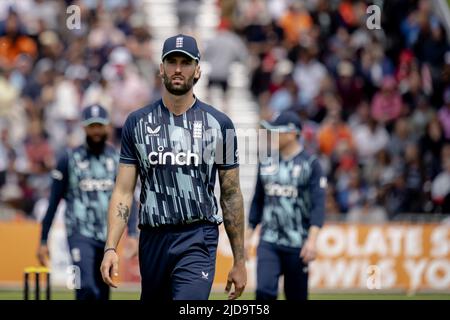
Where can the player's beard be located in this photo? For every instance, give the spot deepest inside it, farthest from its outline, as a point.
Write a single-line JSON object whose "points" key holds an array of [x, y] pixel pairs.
{"points": [[179, 90], [96, 147]]}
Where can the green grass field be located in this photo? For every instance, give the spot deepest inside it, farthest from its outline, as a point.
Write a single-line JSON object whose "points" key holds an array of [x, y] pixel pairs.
{"points": [[10, 294]]}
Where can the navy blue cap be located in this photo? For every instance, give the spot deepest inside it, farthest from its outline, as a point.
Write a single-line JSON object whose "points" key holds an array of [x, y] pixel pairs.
{"points": [[286, 121], [94, 114], [181, 43]]}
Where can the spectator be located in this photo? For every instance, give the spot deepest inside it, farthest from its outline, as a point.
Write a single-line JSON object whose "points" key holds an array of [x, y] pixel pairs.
{"points": [[262, 75], [187, 11], [375, 66], [431, 44], [21, 72], [422, 115], [8, 96], [412, 89], [393, 196], [285, 97], [5, 153], [350, 190], [387, 103], [220, 52], [444, 114], [349, 87], [38, 151], [98, 92], [414, 180], [368, 212], [332, 133], [128, 89], [255, 19], [380, 171], [296, 23], [361, 116], [370, 138], [139, 43], [14, 42], [431, 144], [400, 138], [10, 193], [308, 72], [440, 189], [332, 210]]}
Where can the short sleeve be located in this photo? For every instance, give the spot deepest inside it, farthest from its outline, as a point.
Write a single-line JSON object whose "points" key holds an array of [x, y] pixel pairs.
{"points": [[127, 148], [227, 156], [318, 184]]}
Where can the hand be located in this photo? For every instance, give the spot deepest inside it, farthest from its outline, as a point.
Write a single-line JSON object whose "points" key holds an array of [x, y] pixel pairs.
{"points": [[110, 267], [309, 251], [43, 254], [131, 247], [238, 276]]}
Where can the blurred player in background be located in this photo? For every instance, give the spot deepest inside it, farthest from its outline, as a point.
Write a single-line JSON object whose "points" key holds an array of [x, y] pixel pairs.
{"points": [[177, 145], [84, 177], [289, 205]]}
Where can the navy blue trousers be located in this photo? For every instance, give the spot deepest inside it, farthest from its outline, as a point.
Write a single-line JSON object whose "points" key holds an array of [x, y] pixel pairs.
{"points": [[274, 261], [87, 255], [178, 262]]}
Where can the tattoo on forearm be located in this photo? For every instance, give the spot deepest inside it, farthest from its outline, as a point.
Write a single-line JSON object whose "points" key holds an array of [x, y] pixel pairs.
{"points": [[233, 210], [123, 211]]}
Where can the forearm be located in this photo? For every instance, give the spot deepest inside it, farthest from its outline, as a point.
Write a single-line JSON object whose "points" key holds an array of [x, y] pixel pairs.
{"points": [[132, 221], [118, 215], [233, 217], [56, 195], [313, 232]]}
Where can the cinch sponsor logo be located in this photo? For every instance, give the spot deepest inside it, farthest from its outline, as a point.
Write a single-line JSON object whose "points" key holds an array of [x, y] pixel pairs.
{"points": [[274, 189], [96, 185], [180, 158]]}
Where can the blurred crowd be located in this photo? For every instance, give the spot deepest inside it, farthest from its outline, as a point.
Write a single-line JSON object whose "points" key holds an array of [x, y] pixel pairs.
{"points": [[53, 62], [375, 103]]}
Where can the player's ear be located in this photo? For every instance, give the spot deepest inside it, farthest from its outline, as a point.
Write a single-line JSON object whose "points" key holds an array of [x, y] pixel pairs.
{"points": [[198, 72], [161, 70]]}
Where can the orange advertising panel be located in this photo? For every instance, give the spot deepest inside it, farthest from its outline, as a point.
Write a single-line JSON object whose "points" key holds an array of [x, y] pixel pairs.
{"points": [[409, 257], [18, 244], [392, 256]]}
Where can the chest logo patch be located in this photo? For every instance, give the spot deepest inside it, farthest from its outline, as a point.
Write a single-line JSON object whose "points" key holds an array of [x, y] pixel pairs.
{"points": [[197, 130], [110, 165], [296, 171], [153, 132], [83, 165]]}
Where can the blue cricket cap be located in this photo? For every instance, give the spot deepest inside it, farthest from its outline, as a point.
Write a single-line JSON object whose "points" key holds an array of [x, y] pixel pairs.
{"points": [[181, 43], [94, 114], [286, 121]]}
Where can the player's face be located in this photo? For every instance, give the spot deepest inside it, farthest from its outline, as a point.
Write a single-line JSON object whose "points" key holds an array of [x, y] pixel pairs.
{"points": [[178, 72], [286, 138], [96, 132]]}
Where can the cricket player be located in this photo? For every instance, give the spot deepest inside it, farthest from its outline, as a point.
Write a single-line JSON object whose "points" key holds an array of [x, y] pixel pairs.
{"points": [[177, 145], [84, 177], [288, 203]]}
